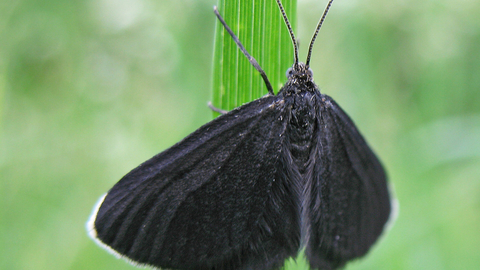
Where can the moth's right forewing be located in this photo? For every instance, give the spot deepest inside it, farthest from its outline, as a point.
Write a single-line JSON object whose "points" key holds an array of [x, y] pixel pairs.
{"points": [[350, 201], [215, 199]]}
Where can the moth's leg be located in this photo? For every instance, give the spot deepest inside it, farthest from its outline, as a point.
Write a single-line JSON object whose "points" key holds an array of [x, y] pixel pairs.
{"points": [[244, 51], [215, 109]]}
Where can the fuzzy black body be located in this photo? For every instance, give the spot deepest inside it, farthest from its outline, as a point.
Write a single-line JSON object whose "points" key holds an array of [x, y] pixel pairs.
{"points": [[251, 188]]}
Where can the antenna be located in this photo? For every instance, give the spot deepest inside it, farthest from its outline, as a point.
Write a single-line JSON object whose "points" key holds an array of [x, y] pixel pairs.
{"points": [[295, 46], [307, 63]]}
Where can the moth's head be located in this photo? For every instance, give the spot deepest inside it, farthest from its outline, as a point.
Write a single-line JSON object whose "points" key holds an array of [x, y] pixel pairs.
{"points": [[299, 72]]}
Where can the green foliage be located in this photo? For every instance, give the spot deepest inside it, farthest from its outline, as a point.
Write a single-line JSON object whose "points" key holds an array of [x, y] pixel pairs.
{"points": [[261, 29]]}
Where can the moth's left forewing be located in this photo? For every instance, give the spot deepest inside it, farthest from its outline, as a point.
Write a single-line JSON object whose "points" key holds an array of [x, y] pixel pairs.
{"points": [[215, 200], [350, 202]]}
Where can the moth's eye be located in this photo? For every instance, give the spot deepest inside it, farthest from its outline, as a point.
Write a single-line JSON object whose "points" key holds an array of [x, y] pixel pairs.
{"points": [[310, 72], [289, 72]]}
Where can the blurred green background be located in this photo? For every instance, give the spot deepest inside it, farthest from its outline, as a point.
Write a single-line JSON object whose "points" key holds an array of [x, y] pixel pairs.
{"points": [[90, 89]]}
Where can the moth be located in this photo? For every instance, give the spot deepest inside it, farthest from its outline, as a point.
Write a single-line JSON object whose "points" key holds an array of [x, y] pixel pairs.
{"points": [[253, 187]]}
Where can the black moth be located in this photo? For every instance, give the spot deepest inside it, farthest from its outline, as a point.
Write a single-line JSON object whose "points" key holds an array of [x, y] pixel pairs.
{"points": [[253, 187]]}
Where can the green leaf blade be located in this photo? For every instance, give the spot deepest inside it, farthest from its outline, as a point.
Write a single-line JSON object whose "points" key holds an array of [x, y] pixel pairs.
{"points": [[260, 27]]}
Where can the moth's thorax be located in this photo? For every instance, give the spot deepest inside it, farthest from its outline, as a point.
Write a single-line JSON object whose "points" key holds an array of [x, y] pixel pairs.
{"points": [[300, 94], [302, 125]]}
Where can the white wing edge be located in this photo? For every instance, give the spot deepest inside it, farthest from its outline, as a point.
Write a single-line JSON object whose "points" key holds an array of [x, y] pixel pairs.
{"points": [[394, 210], [92, 232]]}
